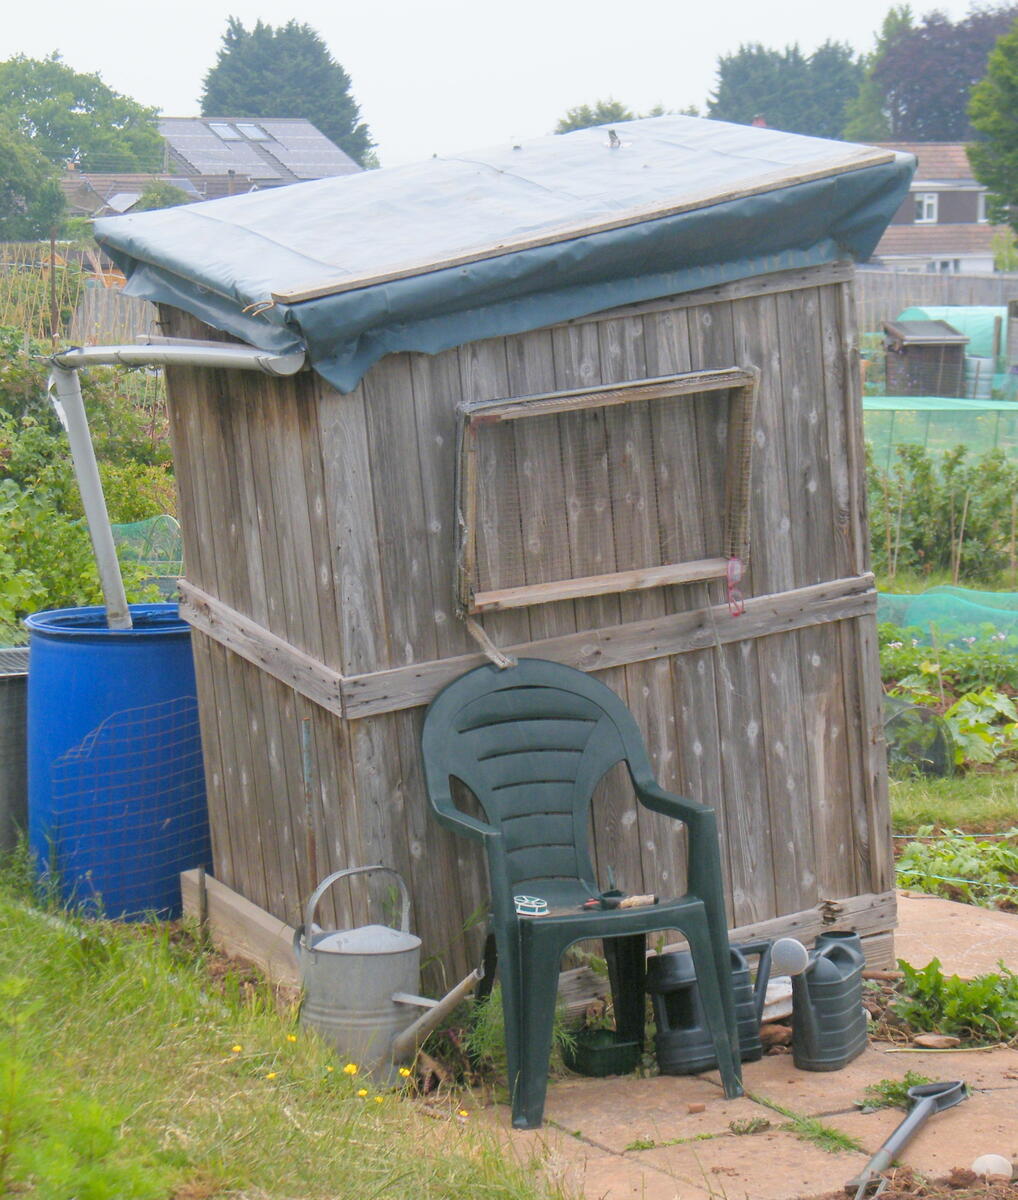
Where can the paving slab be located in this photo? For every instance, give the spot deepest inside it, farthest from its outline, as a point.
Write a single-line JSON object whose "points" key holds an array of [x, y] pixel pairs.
{"points": [[968, 940], [986, 1123], [616, 1113], [814, 1093], [769, 1165]]}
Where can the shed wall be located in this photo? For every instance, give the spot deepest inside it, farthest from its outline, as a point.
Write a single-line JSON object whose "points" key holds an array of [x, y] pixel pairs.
{"points": [[321, 549]]}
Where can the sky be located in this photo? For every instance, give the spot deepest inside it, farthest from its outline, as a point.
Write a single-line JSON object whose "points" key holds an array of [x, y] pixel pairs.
{"points": [[448, 75]]}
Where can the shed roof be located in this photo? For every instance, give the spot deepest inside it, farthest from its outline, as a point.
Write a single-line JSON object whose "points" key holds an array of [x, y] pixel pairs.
{"points": [[431, 255]]}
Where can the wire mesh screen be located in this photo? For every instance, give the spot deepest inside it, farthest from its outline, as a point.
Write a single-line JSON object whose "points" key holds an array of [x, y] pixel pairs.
{"points": [[607, 489], [155, 543], [939, 425], [130, 810]]}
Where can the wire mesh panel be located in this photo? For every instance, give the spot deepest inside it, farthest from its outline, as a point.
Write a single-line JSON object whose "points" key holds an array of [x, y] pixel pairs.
{"points": [[618, 488], [129, 805]]}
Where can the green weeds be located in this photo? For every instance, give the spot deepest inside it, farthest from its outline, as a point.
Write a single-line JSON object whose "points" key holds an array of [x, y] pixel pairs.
{"points": [[980, 1011], [891, 1093], [809, 1129], [963, 866]]}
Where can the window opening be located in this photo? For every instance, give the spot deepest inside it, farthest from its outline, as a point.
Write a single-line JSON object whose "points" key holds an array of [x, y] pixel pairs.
{"points": [[926, 208], [224, 130], [254, 133], [610, 489]]}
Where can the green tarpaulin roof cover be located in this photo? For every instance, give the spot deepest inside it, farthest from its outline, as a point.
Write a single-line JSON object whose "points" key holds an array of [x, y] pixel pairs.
{"points": [[443, 252]]}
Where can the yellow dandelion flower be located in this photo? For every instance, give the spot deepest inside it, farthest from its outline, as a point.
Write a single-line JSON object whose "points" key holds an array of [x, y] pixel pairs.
{"points": [[405, 1072], [350, 1069], [330, 1068], [236, 1049], [462, 1113], [362, 1093], [291, 1037], [378, 1099], [271, 1075]]}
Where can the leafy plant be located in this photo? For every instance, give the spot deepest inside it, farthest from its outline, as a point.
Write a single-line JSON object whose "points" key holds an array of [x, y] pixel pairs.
{"points": [[986, 659], [962, 866], [485, 1041], [980, 1010]]}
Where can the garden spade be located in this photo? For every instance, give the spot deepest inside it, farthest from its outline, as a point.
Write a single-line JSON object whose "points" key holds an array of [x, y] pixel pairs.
{"points": [[927, 1099]]}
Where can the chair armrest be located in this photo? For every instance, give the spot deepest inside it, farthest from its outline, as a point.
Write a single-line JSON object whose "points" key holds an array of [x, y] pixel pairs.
{"points": [[455, 819], [670, 805]]}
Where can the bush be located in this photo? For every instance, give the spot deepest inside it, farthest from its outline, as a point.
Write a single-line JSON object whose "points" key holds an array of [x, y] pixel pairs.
{"points": [[949, 515], [46, 558]]}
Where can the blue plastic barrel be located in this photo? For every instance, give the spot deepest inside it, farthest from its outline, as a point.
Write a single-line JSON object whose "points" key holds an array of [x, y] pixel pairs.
{"points": [[116, 788]]}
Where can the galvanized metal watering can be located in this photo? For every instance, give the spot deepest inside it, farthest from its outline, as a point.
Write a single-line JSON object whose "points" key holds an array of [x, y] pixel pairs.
{"points": [[359, 985]]}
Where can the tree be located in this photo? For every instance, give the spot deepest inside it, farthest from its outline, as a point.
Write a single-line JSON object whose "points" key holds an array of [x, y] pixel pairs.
{"points": [[161, 194], [604, 112], [865, 118], [992, 111], [70, 116], [31, 203], [786, 88], [927, 73], [285, 72]]}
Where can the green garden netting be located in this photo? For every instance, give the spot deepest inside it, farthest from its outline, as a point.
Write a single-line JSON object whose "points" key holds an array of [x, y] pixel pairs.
{"points": [[939, 423], [154, 544], [954, 616]]}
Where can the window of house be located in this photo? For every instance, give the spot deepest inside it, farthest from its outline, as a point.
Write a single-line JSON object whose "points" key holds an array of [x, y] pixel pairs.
{"points": [[225, 130], [925, 208], [611, 489], [254, 133], [982, 216]]}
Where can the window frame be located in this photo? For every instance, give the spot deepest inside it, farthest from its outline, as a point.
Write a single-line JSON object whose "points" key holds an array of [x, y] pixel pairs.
{"points": [[743, 385], [927, 203]]}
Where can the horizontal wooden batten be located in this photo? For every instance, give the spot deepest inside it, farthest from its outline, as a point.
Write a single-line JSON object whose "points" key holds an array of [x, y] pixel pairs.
{"points": [[639, 641], [251, 641], [599, 585], [689, 384], [869, 915]]}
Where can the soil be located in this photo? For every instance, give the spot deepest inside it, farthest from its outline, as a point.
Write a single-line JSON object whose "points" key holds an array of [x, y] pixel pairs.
{"points": [[961, 1184]]}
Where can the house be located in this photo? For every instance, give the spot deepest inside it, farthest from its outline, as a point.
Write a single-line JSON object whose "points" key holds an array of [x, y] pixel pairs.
{"points": [[231, 155], [210, 157], [92, 194], [942, 225]]}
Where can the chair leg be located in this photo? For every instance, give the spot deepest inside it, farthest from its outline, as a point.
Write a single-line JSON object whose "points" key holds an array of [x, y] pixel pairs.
{"points": [[512, 1007], [540, 957], [718, 1006], [627, 969]]}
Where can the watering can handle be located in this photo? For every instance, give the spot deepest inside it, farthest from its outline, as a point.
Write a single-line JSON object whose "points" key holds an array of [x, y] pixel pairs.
{"points": [[329, 880], [762, 951]]}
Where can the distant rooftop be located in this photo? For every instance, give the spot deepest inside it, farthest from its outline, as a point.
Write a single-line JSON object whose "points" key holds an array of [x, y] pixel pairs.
{"points": [[938, 161], [268, 152]]}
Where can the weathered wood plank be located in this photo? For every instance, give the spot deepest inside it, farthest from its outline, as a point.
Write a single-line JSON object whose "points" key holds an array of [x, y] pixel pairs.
{"points": [[632, 390], [251, 641], [352, 533], [601, 585], [241, 929], [739, 289], [595, 650], [531, 366], [399, 511]]}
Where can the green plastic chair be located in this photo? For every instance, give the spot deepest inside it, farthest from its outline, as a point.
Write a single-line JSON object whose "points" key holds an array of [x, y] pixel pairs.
{"points": [[531, 743]]}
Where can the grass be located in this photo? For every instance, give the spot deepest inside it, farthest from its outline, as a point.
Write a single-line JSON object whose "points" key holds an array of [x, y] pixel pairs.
{"points": [[126, 1074], [809, 1129], [979, 802]]}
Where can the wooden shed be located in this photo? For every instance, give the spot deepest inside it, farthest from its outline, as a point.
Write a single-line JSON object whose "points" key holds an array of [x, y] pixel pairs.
{"points": [[591, 398]]}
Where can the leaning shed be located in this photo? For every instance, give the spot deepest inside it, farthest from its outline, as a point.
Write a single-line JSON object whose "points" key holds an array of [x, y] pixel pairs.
{"points": [[591, 398]]}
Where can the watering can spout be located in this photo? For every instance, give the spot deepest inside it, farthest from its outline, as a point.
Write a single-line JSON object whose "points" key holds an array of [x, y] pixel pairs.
{"points": [[405, 1044]]}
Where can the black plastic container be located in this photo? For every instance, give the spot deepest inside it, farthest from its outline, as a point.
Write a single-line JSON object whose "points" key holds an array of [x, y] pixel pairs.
{"points": [[828, 1019], [683, 1042]]}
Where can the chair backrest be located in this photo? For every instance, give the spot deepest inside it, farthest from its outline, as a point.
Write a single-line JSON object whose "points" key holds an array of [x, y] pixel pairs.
{"points": [[532, 742]]}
